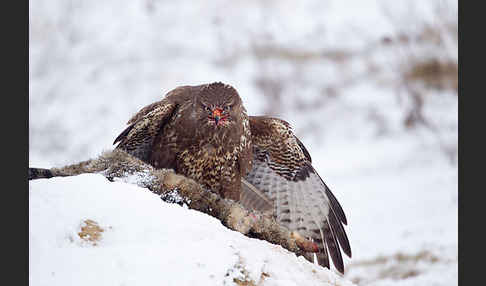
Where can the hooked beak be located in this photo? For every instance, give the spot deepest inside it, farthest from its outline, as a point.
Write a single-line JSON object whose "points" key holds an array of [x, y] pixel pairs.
{"points": [[217, 115]]}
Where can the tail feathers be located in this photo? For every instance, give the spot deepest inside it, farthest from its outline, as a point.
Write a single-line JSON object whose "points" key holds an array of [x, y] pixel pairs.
{"points": [[322, 255], [333, 247], [339, 232]]}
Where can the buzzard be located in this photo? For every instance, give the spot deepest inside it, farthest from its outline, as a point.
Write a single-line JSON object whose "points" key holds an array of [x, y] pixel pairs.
{"points": [[204, 133]]}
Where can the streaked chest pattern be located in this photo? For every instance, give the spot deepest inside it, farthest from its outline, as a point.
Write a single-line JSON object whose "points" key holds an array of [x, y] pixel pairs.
{"points": [[212, 160]]}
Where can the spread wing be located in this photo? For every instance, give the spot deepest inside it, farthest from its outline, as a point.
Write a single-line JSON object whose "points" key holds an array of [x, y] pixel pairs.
{"points": [[138, 138], [282, 170]]}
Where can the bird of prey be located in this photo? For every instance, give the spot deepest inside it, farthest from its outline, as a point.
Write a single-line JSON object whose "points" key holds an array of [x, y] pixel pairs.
{"points": [[204, 133]]}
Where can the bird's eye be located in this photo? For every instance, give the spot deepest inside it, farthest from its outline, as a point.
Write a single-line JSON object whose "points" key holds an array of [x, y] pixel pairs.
{"points": [[207, 108], [227, 107]]}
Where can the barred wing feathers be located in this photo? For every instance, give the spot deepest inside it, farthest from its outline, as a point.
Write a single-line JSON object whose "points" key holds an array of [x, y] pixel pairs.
{"points": [[138, 138], [302, 202]]}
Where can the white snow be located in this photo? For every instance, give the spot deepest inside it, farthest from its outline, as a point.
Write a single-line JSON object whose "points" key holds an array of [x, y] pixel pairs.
{"points": [[146, 241]]}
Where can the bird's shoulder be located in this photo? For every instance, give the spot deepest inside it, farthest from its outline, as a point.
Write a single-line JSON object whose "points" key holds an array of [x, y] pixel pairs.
{"points": [[173, 97], [276, 136], [138, 138], [269, 126]]}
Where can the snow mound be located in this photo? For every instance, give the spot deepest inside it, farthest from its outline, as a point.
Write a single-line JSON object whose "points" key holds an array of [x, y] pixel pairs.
{"points": [[85, 230]]}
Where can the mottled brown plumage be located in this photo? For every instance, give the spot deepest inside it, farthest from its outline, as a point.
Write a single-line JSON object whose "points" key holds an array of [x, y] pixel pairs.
{"points": [[200, 131], [204, 133], [282, 170]]}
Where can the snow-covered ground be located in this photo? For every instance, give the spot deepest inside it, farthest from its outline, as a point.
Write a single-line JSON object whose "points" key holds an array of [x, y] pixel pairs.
{"points": [[318, 64], [146, 241]]}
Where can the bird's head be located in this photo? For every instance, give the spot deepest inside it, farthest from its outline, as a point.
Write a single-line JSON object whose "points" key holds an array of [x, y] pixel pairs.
{"points": [[219, 105]]}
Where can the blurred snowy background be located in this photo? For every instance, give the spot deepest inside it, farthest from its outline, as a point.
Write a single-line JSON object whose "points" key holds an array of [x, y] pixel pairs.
{"points": [[370, 87]]}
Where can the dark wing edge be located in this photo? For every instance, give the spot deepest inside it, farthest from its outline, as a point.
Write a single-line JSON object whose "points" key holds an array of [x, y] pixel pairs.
{"points": [[304, 150], [311, 208], [124, 134], [148, 111], [138, 138], [171, 96]]}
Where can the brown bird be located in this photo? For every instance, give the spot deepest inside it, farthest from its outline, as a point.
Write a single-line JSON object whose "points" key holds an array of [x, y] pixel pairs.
{"points": [[204, 133], [200, 131]]}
